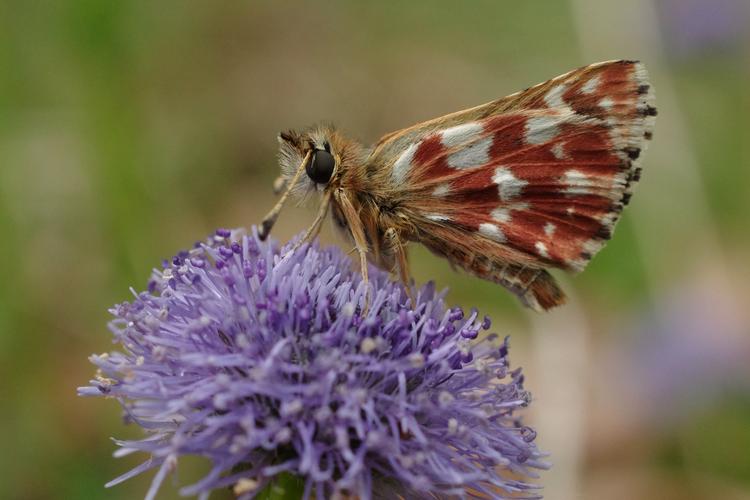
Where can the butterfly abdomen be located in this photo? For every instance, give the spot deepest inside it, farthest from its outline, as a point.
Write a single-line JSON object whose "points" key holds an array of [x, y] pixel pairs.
{"points": [[536, 288]]}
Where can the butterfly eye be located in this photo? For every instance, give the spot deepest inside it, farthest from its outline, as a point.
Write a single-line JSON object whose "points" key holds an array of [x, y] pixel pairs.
{"points": [[320, 168]]}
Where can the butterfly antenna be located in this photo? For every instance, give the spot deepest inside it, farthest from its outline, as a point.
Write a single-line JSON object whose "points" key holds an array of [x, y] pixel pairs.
{"points": [[270, 219]]}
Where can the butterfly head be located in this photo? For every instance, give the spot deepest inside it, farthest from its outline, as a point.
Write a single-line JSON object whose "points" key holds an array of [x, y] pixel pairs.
{"points": [[318, 149], [311, 160]]}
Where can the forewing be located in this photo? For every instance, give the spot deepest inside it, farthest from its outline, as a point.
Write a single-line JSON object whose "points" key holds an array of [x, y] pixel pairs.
{"points": [[539, 177]]}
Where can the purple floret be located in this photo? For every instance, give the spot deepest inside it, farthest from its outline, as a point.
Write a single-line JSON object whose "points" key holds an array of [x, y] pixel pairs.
{"points": [[262, 361]]}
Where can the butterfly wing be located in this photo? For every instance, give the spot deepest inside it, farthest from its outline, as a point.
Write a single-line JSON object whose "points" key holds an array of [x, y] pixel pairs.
{"points": [[533, 180]]}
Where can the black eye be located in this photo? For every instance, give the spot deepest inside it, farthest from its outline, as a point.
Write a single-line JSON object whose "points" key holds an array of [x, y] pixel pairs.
{"points": [[320, 168]]}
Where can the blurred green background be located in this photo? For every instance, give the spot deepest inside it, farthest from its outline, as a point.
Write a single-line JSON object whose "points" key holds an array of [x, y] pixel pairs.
{"points": [[130, 129]]}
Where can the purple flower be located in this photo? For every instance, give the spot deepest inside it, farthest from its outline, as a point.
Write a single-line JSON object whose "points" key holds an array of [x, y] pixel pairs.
{"points": [[260, 359], [702, 27]]}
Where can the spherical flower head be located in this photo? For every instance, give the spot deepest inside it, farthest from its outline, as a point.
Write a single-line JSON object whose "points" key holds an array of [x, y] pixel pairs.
{"points": [[261, 359]]}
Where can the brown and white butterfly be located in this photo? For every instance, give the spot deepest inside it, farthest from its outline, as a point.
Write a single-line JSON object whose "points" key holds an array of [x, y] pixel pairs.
{"points": [[505, 190]]}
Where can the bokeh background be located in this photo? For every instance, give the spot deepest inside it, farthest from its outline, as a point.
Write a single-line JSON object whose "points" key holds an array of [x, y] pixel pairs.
{"points": [[129, 129]]}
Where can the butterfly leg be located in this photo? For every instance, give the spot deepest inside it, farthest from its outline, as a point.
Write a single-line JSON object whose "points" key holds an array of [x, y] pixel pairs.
{"points": [[397, 248], [360, 240], [314, 229], [270, 219], [535, 287]]}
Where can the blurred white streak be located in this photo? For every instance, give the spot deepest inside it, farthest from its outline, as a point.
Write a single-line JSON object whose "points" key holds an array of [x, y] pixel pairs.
{"points": [[674, 226], [561, 367]]}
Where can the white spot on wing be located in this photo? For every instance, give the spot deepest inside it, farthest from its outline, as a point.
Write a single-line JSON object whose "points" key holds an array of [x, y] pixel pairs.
{"points": [[553, 97], [442, 190], [541, 129], [437, 217], [508, 185], [501, 215], [558, 150], [541, 249], [403, 164], [549, 229], [606, 103], [591, 85], [577, 183], [461, 134], [492, 232], [475, 155]]}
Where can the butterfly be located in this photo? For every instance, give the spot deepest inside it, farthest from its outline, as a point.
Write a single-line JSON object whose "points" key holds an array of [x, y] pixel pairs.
{"points": [[505, 191]]}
